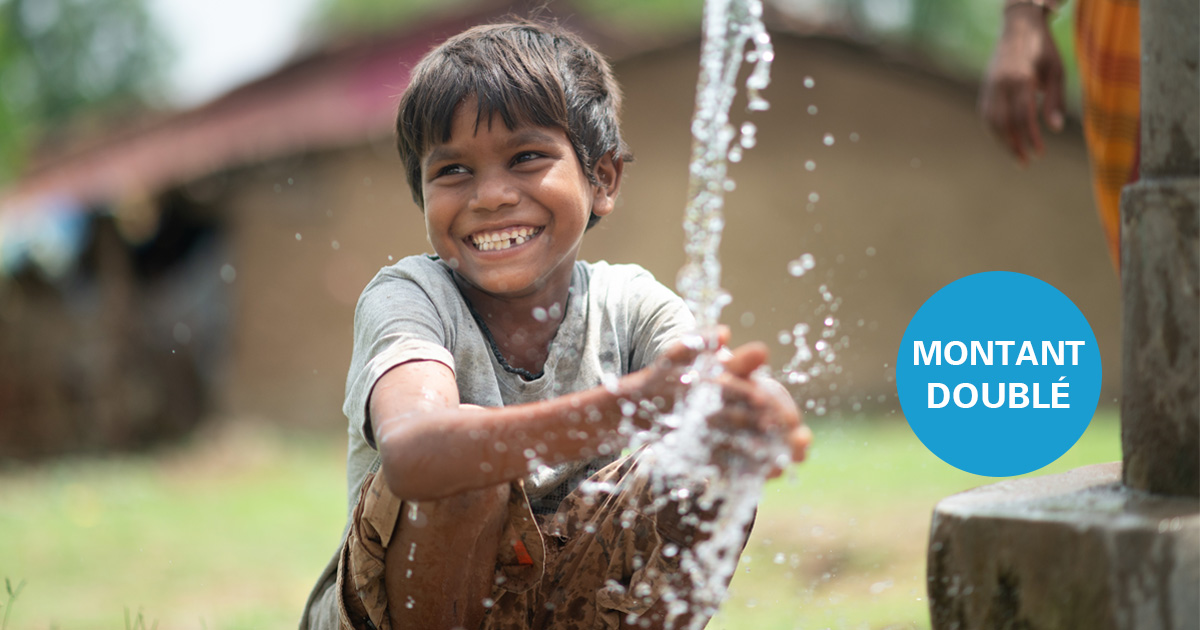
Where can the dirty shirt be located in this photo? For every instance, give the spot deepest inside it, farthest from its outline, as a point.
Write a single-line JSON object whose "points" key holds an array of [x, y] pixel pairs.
{"points": [[618, 320]]}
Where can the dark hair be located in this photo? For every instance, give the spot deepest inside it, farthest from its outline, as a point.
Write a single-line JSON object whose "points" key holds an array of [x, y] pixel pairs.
{"points": [[528, 73]]}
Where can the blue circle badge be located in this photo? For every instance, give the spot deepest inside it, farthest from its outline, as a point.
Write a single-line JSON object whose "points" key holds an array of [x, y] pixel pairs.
{"points": [[998, 374]]}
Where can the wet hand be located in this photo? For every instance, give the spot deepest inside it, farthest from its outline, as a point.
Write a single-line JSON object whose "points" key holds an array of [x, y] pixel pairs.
{"points": [[657, 388], [1025, 64], [758, 404]]}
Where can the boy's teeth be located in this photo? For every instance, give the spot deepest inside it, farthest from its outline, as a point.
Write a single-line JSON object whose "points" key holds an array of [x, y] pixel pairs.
{"points": [[503, 239]]}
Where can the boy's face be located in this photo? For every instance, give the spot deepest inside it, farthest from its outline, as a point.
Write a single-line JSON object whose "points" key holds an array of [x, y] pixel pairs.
{"points": [[507, 208]]}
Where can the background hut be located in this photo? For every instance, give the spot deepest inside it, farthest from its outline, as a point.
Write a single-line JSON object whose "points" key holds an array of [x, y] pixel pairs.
{"points": [[209, 261]]}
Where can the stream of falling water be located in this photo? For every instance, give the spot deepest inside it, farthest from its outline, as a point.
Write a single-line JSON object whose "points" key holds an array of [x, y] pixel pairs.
{"points": [[694, 467]]}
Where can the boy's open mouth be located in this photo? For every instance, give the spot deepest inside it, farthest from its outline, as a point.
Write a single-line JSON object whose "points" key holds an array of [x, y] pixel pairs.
{"points": [[502, 239]]}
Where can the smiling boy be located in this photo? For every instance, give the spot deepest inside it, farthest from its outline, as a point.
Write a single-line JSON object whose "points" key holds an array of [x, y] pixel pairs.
{"points": [[475, 398]]}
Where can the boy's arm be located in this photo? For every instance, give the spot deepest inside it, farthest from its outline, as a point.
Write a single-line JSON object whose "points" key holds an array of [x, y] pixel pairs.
{"points": [[432, 447]]}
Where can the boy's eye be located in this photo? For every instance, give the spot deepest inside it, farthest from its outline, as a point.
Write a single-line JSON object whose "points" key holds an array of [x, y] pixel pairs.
{"points": [[526, 156], [450, 169]]}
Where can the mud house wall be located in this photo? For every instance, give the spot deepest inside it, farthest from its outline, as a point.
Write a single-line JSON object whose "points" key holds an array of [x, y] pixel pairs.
{"points": [[292, 345], [923, 189]]}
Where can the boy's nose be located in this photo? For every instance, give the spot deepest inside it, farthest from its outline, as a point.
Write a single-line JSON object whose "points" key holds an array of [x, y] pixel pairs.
{"points": [[493, 192]]}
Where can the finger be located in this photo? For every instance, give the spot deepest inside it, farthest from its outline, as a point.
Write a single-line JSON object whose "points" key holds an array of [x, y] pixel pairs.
{"points": [[989, 107], [682, 352], [799, 440], [1030, 128], [723, 335], [747, 405], [734, 416], [1005, 128], [1052, 101], [1018, 107], [746, 359]]}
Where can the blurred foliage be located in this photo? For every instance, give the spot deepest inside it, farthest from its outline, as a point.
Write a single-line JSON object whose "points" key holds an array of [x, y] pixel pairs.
{"points": [[60, 59], [956, 36], [953, 35], [369, 15]]}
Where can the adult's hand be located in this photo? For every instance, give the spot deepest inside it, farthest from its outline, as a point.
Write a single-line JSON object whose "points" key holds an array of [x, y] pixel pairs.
{"points": [[1025, 64]]}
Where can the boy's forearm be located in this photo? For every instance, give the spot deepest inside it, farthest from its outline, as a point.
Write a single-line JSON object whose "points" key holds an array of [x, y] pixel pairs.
{"points": [[439, 453]]}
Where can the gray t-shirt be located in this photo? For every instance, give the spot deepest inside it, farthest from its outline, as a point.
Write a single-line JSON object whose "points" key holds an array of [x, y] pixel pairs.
{"points": [[618, 320]]}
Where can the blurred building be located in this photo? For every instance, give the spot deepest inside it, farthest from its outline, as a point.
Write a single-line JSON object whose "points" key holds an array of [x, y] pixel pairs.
{"points": [[209, 261]]}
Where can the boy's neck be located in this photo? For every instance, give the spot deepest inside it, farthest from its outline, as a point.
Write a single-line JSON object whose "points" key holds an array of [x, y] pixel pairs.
{"points": [[521, 327]]}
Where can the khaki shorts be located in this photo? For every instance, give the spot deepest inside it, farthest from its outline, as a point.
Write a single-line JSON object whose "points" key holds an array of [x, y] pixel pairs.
{"points": [[598, 559]]}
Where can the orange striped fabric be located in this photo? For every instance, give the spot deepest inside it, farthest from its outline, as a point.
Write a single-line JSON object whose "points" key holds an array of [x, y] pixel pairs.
{"points": [[1108, 48]]}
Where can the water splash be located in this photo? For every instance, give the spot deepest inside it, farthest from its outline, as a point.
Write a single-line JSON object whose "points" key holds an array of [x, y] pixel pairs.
{"points": [[728, 26], [694, 467]]}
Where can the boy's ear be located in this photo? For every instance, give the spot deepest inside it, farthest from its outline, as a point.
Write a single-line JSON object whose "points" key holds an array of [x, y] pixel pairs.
{"points": [[608, 171]]}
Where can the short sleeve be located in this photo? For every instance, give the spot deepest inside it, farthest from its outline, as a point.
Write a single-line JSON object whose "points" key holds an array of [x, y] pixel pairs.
{"points": [[395, 322], [657, 318]]}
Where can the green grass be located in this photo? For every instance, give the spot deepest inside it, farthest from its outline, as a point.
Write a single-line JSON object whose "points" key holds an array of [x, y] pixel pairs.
{"points": [[228, 533], [840, 541], [231, 530]]}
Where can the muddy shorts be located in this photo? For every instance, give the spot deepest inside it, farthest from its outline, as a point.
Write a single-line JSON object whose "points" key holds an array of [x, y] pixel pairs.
{"points": [[602, 556]]}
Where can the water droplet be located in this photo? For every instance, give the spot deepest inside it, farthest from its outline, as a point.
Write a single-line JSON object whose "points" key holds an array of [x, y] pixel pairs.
{"points": [[747, 319], [784, 338], [670, 550], [813, 197], [796, 268], [298, 237], [336, 245], [828, 140], [735, 154], [870, 251], [812, 110], [829, 321], [540, 314], [228, 273], [810, 165], [853, 137], [780, 558], [808, 82]]}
